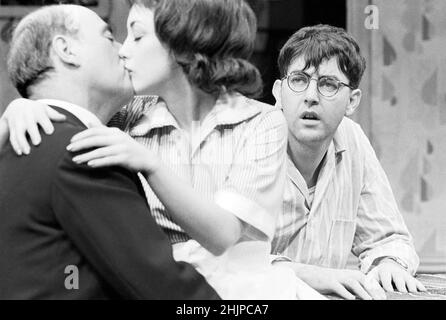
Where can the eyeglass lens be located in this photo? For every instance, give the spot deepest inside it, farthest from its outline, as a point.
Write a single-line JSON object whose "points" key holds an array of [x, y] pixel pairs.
{"points": [[299, 82]]}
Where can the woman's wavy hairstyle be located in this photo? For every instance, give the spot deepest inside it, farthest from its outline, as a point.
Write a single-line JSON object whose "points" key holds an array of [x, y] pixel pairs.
{"points": [[211, 40]]}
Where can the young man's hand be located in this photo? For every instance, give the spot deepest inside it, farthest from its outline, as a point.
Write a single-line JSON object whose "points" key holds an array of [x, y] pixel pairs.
{"points": [[348, 284], [389, 271]]}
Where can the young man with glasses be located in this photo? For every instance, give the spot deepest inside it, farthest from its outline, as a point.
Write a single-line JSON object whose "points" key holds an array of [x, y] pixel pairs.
{"points": [[337, 198]]}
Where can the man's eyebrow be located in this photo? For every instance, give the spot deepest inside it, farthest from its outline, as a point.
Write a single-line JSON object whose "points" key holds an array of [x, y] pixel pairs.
{"points": [[295, 70], [329, 76], [299, 70], [317, 72]]}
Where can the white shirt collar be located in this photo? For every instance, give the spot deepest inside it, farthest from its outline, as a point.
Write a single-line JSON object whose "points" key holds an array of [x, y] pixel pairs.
{"points": [[88, 118]]}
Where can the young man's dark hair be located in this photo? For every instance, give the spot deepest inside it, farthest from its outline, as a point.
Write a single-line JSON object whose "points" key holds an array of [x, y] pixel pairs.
{"points": [[323, 42]]}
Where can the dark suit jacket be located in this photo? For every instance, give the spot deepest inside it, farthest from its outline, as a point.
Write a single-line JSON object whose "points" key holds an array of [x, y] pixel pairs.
{"points": [[54, 214]]}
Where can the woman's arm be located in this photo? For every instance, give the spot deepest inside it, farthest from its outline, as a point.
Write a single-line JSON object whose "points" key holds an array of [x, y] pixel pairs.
{"points": [[213, 227]]}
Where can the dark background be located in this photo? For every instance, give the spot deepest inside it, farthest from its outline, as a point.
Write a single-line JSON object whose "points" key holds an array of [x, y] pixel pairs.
{"points": [[285, 17], [46, 2]]}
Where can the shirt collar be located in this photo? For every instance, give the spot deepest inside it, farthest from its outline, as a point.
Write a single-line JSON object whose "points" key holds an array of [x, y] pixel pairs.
{"points": [[338, 145], [228, 110], [339, 140], [88, 118], [296, 177], [147, 114]]}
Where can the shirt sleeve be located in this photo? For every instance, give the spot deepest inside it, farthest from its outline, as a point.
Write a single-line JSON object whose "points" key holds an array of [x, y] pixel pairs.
{"points": [[105, 215], [380, 230], [254, 186]]}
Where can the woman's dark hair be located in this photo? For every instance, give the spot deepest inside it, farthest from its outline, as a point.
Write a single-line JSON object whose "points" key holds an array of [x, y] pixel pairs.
{"points": [[211, 40], [323, 42]]}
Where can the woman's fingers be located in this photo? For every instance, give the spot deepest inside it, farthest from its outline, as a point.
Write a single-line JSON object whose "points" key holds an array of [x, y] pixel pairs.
{"points": [[96, 131], [24, 118], [33, 131], [91, 142], [94, 124], [46, 125], [14, 143], [98, 154], [18, 134], [107, 161], [54, 115]]}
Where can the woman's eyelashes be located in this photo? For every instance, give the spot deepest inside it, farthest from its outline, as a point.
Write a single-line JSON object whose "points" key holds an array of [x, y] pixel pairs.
{"points": [[109, 36], [137, 33]]}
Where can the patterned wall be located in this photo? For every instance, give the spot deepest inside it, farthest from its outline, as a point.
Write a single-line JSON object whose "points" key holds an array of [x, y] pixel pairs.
{"points": [[404, 111]]}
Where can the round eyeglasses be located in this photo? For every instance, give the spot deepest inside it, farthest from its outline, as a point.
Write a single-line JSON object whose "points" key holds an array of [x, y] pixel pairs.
{"points": [[327, 86]]}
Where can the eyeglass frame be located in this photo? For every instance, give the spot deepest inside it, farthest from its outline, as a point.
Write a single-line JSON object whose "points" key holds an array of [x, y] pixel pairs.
{"points": [[339, 83]]}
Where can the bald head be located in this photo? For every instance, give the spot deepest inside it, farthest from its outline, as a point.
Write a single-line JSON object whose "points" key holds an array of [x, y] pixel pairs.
{"points": [[29, 59]]}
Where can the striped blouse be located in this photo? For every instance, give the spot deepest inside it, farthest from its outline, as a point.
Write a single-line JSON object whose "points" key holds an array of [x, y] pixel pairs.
{"points": [[236, 157], [353, 210]]}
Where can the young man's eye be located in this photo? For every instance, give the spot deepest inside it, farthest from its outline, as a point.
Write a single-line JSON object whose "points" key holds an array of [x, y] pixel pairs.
{"points": [[298, 79], [328, 84]]}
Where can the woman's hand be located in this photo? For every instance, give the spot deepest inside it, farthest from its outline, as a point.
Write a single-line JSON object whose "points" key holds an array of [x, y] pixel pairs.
{"points": [[113, 147], [23, 117]]}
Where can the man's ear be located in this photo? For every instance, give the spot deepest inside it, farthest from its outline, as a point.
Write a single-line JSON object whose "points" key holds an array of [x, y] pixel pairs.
{"points": [[355, 100], [66, 50], [277, 92]]}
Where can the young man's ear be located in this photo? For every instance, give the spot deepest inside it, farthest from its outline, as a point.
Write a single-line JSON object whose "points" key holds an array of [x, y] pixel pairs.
{"points": [[66, 50], [277, 93], [353, 104]]}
